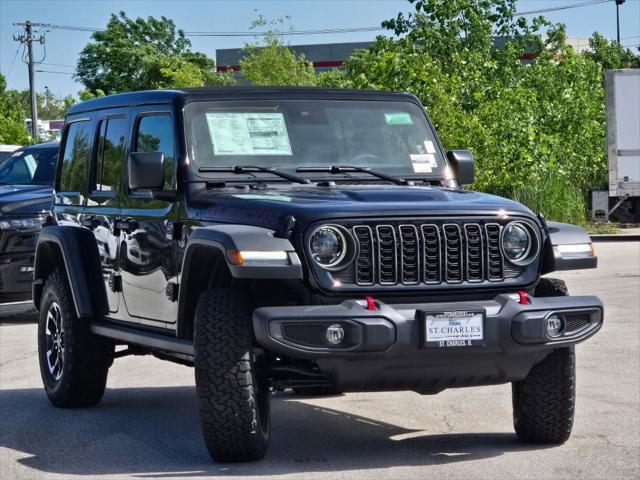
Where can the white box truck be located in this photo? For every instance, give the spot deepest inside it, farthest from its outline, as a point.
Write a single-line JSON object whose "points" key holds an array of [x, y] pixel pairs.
{"points": [[623, 147]]}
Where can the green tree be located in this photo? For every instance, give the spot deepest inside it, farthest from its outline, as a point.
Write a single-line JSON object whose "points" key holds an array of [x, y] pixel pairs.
{"points": [[12, 117], [143, 54], [272, 62], [537, 130], [51, 107], [610, 54]]}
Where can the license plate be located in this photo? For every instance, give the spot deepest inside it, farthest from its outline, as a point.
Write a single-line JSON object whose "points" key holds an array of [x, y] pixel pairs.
{"points": [[454, 329]]}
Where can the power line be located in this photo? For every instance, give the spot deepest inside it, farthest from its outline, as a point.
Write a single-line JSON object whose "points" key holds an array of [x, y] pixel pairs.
{"points": [[237, 33], [290, 32], [14, 59], [562, 7], [57, 65], [54, 71], [326, 31]]}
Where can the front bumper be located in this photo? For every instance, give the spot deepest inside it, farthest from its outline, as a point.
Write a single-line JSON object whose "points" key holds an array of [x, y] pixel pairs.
{"points": [[384, 348], [16, 276]]}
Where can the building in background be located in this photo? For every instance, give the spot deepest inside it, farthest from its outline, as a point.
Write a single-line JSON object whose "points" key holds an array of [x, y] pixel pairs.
{"points": [[327, 56]]}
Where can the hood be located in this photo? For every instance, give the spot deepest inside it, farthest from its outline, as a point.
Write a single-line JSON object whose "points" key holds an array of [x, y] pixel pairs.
{"points": [[311, 203], [25, 200]]}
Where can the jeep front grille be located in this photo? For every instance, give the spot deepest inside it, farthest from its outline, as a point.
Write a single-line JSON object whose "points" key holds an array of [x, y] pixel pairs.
{"points": [[429, 253]]}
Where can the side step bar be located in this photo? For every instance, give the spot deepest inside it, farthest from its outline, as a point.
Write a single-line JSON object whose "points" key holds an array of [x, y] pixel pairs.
{"points": [[142, 338]]}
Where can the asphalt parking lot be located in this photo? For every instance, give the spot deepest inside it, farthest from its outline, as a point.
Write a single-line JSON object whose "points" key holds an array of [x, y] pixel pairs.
{"points": [[147, 424]]}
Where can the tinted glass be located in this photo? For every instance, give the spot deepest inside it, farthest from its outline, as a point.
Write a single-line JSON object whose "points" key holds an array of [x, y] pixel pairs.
{"points": [[392, 137], [30, 167], [75, 157], [155, 134], [111, 148]]}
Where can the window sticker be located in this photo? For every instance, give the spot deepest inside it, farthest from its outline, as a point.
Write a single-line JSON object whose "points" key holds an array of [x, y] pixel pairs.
{"points": [[31, 164], [428, 144], [398, 118], [248, 133], [423, 163], [419, 167]]}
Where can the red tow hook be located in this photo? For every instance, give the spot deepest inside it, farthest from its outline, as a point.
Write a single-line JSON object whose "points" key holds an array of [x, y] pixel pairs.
{"points": [[524, 300], [371, 303]]}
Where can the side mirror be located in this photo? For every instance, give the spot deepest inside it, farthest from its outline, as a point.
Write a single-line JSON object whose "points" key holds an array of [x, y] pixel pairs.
{"points": [[146, 171], [462, 164]]}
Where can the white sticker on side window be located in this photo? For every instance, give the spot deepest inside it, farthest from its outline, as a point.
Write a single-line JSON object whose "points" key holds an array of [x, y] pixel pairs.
{"points": [[248, 133]]}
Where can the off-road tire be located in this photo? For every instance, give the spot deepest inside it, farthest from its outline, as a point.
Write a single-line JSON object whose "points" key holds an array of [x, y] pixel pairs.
{"points": [[544, 402], [551, 287], [86, 357], [234, 404]]}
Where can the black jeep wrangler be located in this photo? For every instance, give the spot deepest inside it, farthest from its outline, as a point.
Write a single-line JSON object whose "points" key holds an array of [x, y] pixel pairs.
{"points": [[310, 239]]}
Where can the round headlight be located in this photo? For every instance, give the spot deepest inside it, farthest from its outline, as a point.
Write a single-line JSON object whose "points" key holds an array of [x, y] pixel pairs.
{"points": [[518, 243], [328, 246]]}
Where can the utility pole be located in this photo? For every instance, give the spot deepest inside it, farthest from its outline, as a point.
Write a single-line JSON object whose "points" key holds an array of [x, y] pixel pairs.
{"points": [[28, 39], [618, 3]]}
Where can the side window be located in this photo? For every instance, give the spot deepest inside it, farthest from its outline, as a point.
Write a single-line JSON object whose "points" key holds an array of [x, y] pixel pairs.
{"points": [[155, 134], [111, 148], [75, 157]]}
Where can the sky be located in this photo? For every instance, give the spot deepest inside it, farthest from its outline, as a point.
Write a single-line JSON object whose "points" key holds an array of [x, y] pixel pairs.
{"points": [[63, 46]]}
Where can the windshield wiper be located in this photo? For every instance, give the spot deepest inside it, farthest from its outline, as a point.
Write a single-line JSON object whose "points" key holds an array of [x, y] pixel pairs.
{"points": [[240, 169], [346, 169]]}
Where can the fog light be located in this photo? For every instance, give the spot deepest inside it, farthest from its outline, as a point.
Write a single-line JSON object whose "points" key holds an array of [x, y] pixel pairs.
{"points": [[554, 326], [335, 334]]}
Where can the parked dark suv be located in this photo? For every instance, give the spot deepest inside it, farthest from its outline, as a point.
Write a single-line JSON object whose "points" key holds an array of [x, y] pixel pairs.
{"points": [[298, 238], [26, 180]]}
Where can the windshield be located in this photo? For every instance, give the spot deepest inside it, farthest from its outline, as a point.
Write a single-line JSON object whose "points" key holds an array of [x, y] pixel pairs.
{"points": [[35, 166], [390, 137]]}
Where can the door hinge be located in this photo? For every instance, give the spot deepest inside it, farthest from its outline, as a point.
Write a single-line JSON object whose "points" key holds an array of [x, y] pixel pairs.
{"points": [[172, 291]]}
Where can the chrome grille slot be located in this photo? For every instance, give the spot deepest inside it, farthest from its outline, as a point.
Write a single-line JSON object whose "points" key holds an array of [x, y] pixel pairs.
{"points": [[432, 255], [495, 265], [452, 252], [409, 254], [474, 261], [365, 263], [387, 255]]}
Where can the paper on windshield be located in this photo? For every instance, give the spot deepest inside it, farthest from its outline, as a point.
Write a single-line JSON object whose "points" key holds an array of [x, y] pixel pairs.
{"points": [[248, 133], [423, 163]]}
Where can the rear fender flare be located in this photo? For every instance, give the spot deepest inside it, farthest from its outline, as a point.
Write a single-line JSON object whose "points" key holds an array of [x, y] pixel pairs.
{"points": [[74, 248]]}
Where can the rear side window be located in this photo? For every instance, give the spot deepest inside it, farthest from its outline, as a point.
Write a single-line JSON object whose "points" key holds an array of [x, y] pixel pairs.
{"points": [[75, 157], [111, 149], [155, 134]]}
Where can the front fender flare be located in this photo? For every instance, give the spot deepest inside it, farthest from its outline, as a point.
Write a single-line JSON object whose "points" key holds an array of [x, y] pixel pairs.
{"points": [[247, 238], [567, 248], [206, 255]]}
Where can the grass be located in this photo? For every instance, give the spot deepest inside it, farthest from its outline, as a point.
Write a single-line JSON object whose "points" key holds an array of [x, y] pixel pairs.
{"points": [[601, 228], [555, 197]]}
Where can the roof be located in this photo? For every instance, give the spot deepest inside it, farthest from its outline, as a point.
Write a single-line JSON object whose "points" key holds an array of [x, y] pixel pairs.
{"points": [[186, 95], [9, 148], [41, 145]]}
